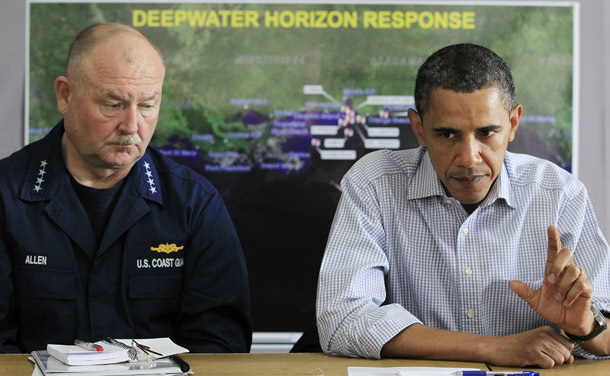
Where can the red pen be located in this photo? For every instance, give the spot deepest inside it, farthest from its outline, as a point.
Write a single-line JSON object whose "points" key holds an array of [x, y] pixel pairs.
{"points": [[88, 345]]}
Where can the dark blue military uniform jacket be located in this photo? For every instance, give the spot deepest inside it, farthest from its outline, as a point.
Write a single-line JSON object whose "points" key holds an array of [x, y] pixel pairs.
{"points": [[168, 265]]}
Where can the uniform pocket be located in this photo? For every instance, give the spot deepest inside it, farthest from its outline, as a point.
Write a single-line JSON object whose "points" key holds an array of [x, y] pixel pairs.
{"points": [[154, 257], [49, 274], [45, 284], [155, 286], [154, 289], [155, 268], [46, 305]]}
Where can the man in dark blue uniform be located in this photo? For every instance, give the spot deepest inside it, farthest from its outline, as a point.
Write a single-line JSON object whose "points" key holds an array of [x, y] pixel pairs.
{"points": [[101, 235]]}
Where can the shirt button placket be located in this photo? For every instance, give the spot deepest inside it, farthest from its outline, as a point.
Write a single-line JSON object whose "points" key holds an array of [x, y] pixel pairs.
{"points": [[469, 281]]}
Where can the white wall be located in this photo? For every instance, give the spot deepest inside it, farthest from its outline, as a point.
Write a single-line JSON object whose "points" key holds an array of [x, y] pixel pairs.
{"points": [[12, 73], [594, 161]]}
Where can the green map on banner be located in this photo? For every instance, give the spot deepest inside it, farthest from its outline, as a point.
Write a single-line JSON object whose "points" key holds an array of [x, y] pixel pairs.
{"points": [[274, 102]]}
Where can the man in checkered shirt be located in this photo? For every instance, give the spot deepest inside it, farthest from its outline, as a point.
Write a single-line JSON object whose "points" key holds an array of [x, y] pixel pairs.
{"points": [[459, 249]]}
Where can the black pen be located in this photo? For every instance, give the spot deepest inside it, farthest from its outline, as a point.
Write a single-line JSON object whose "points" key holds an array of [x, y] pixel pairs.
{"points": [[145, 348], [184, 366], [131, 352]]}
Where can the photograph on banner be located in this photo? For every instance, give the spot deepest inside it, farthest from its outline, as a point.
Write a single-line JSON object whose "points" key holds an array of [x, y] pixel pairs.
{"points": [[274, 102]]}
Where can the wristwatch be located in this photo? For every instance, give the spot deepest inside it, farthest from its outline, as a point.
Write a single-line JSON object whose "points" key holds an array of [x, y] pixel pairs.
{"points": [[600, 325]]}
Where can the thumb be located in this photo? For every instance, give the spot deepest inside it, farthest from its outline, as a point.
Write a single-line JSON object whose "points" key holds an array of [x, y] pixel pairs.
{"points": [[522, 290]]}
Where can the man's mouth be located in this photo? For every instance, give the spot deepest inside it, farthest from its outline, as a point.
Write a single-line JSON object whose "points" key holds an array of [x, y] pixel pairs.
{"points": [[468, 180]]}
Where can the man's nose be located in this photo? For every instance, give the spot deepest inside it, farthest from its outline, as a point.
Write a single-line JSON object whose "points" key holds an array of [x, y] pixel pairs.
{"points": [[469, 153], [129, 124]]}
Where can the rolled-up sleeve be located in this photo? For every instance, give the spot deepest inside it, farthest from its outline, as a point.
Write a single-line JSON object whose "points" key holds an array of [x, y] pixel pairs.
{"points": [[351, 318]]}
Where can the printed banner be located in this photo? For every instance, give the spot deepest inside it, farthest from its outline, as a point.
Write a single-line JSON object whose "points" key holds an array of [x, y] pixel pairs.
{"points": [[273, 102]]}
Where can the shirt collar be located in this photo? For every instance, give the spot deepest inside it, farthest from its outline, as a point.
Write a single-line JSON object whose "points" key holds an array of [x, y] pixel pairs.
{"points": [[499, 190], [47, 171], [425, 183]]}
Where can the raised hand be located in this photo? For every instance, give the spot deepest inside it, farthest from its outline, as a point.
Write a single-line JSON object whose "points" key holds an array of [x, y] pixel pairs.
{"points": [[565, 295]]}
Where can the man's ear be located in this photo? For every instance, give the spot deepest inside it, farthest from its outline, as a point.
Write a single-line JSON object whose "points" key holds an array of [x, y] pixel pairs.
{"points": [[416, 125], [63, 92], [515, 117]]}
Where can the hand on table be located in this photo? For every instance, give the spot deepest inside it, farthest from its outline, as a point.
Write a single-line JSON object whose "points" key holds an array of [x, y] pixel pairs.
{"points": [[542, 347]]}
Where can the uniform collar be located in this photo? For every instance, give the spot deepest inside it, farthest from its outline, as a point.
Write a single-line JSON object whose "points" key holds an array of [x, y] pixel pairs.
{"points": [[47, 171], [145, 176], [425, 183]]}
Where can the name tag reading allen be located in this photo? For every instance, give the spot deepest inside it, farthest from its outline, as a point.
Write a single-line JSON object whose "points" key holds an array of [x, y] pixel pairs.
{"points": [[35, 260]]}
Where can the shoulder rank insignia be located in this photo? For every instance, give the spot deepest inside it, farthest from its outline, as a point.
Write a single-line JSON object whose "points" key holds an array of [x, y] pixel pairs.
{"points": [[150, 181], [40, 176]]}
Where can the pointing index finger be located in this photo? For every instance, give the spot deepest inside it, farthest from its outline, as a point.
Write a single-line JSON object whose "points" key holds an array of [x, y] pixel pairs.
{"points": [[554, 247]]}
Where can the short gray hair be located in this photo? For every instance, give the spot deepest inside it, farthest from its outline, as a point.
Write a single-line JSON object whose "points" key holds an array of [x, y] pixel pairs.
{"points": [[90, 36]]}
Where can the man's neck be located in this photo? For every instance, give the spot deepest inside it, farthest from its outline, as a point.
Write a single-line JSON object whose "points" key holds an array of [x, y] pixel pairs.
{"points": [[470, 208], [100, 178]]}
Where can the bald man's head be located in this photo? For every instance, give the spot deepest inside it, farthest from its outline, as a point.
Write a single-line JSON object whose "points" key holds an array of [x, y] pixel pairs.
{"points": [[110, 100], [91, 36]]}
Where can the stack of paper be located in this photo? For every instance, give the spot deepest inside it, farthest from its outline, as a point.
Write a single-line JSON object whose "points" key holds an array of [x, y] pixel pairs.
{"points": [[66, 360], [49, 366], [74, 355]]}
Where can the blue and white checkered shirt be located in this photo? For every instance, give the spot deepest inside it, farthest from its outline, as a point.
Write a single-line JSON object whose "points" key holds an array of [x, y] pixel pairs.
{"points": [[402, 252]]}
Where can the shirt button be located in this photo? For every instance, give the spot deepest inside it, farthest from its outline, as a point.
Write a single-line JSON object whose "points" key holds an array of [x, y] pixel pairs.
{"points": [[468, 271], [448, 201], [471, 313], [465, 230]]}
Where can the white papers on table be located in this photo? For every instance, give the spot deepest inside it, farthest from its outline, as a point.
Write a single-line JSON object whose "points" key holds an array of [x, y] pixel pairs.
{"points": [[48, 366], [163, 346], [112, 361], [74, 355]]}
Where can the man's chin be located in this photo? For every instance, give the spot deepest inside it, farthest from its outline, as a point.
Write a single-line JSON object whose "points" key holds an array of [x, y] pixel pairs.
{"points": [[120, 163], [468, 193], [470, 199]]}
